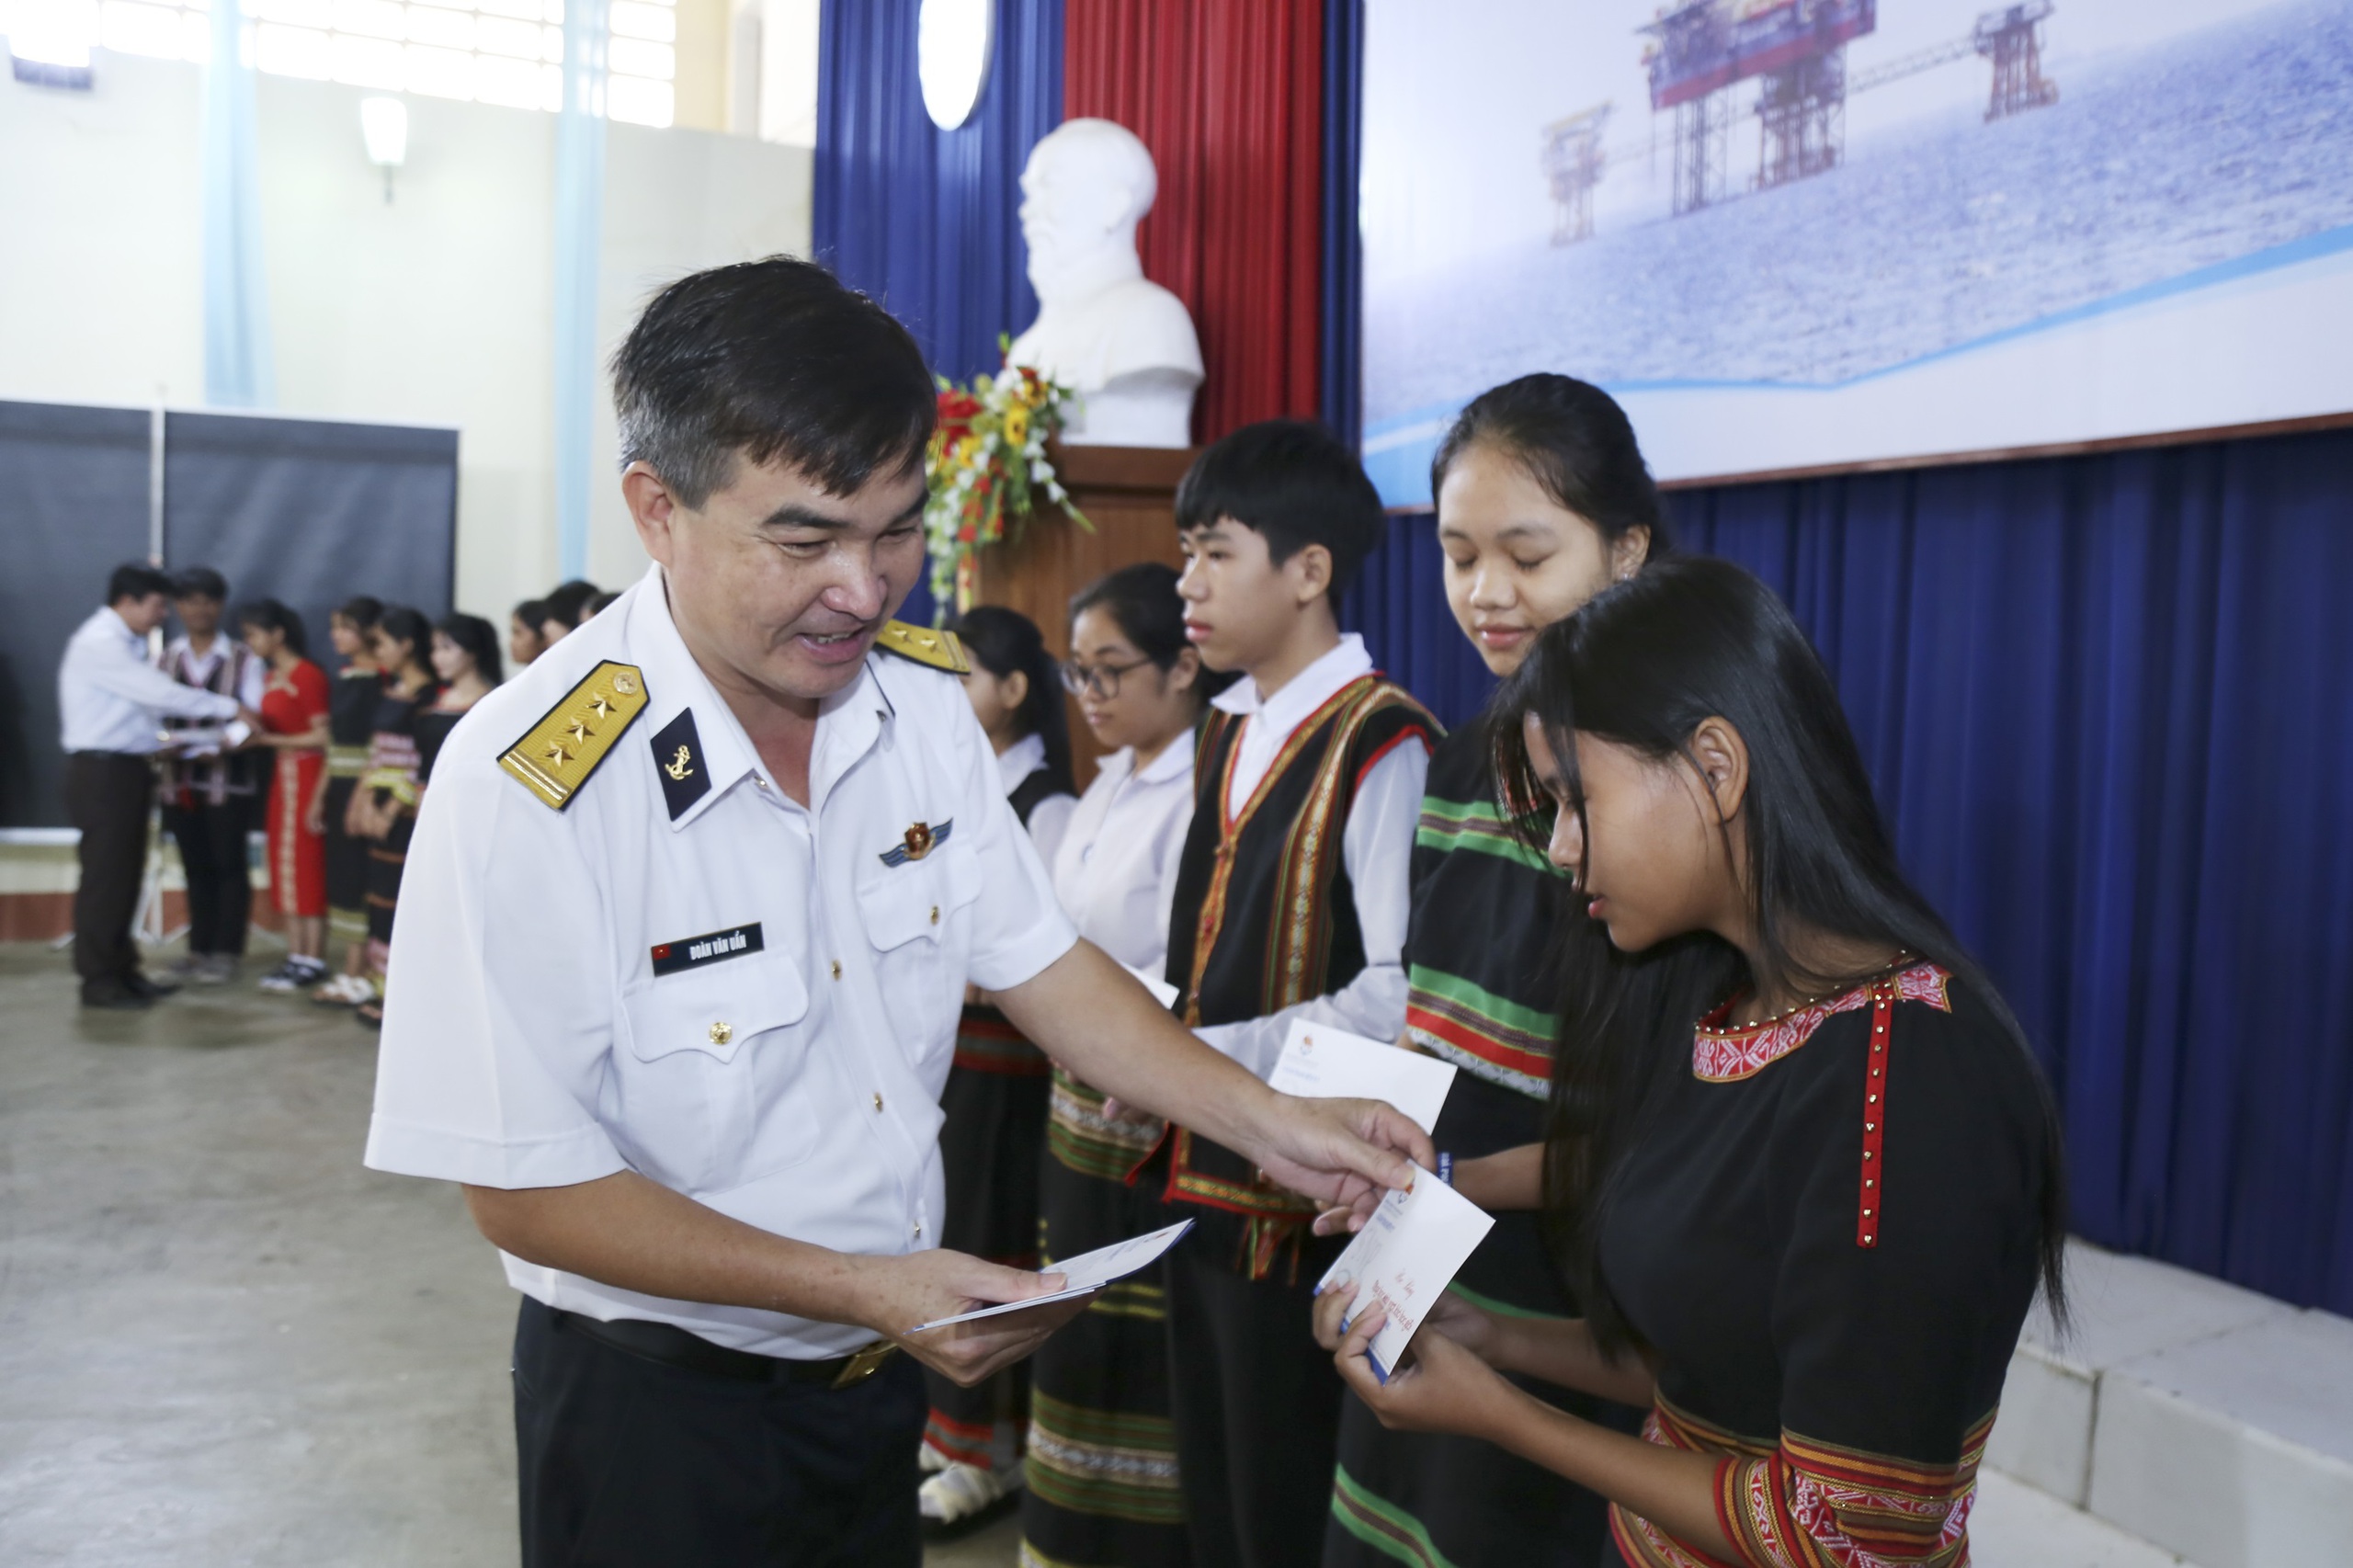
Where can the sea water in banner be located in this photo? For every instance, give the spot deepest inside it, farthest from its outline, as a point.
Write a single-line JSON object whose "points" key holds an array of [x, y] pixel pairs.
{"points": [[1789, 232]]}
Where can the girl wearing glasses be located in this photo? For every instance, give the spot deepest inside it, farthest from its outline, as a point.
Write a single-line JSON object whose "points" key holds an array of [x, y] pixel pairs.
{"points": [[994, 1102], [1102, 1464]]}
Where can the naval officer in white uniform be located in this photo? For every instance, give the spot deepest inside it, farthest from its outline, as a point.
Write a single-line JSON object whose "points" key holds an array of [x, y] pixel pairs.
{"points": [[683, 936]]}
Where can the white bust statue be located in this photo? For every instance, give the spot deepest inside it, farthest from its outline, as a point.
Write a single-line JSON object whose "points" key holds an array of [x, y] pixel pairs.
{"points": [[1125, 344]]}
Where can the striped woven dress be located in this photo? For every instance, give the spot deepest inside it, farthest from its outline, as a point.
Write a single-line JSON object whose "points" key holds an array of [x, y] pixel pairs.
{"points": [[1477, 948], [1101, 1472]]}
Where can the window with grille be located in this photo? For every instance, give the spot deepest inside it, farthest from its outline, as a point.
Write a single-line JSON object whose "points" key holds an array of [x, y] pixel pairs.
{"points": [[492, 51]]}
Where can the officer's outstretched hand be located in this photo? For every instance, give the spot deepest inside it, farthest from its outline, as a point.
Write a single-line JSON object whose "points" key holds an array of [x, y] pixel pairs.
{"points": [[923, 1287], [1344, 1154]]}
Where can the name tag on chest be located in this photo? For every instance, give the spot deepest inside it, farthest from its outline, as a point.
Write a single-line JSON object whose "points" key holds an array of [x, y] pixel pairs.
{"points": [[697, 952]]}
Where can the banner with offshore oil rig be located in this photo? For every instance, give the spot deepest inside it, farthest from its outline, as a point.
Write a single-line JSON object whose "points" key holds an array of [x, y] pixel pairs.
{"points": [[1796, 233]]}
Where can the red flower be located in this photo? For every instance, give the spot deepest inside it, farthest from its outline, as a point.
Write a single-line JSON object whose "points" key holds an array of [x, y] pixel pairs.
{"points": [[956, 412]]}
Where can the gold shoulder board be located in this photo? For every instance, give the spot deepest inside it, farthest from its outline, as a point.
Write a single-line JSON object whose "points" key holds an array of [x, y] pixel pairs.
{"points": [[556, 756], [940, 649]]}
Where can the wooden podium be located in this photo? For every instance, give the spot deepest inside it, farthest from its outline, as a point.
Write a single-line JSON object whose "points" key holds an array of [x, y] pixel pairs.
{"points": [[1130, 495]]}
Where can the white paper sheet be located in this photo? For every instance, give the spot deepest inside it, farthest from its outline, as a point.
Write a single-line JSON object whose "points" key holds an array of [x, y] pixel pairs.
{"points": [[1321, 1062], [1404, 1259], [1082, 1274]]}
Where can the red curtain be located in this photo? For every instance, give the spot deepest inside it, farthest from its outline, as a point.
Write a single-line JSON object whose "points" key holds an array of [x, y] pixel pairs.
{"points": [[1228, 96]]}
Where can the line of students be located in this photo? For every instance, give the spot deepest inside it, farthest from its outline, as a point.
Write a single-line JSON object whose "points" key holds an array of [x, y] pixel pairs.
{"points": [[1808, 1384], [404, 684]]}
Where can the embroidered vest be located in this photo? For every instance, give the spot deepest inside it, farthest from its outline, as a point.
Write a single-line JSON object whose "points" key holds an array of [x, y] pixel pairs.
{"points": [[1264, 916]]}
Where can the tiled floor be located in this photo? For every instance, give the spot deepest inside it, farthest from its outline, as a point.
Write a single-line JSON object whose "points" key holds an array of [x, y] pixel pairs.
{"points": [[221, 1341]]}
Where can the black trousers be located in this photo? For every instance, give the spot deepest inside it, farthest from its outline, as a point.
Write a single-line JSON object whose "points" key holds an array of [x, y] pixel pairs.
{"points": [[220, 882], [1257, 1403], [627, 1463], [108, 794]]}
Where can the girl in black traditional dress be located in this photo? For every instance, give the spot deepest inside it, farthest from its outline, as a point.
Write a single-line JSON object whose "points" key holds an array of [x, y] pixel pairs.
{"points": [[994, 1102], [351, 718], [383, 808], [1807, 1171], [1543, 500]]}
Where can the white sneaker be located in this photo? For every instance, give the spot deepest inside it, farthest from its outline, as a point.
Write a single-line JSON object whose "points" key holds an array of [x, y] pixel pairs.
{"points": [[344, 991], [930, 1461], [963, 1490], [217, 969]]}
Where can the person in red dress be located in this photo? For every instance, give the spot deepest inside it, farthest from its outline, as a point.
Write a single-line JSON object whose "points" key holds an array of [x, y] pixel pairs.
{"points": [[294, 713]]}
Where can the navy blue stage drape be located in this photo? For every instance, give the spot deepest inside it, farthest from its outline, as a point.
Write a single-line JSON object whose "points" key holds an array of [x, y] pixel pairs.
{"points": [[922, 219], [2108, 704]]}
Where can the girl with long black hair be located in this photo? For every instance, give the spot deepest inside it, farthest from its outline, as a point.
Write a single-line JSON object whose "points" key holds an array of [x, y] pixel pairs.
{"points": [[351, 718], [1543, 500], [995, 1103], [1804, 1167], [384, 808]]}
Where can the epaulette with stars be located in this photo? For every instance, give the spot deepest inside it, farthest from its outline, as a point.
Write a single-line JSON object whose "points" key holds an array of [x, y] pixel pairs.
{"points": [[940, 649], [556, 756]]}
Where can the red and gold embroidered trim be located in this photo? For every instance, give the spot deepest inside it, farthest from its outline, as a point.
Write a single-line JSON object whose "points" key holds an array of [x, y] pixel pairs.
{"points": [[1805, 1503], [1724, 1056], [1868, 1200]]}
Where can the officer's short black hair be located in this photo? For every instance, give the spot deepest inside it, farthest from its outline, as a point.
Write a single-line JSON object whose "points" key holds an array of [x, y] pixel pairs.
{"points": [[134, 580], [770, 359], [1293, 482], [200, 583]]}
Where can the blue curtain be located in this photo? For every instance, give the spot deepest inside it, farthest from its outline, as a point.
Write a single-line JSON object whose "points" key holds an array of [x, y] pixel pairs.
{"points": [[579, 239], [239, 371], [2108, 704], [922, 219]]}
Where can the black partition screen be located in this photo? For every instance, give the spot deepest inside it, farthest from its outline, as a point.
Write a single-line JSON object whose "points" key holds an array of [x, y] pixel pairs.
{"points": [[306, 511], [312, 513], [73, 506]]}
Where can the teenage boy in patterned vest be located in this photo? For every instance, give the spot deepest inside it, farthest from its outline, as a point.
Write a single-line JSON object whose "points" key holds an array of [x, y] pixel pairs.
{"points": [[1290, 902]]}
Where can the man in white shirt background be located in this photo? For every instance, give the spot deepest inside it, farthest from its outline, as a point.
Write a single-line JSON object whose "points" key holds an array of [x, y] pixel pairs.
{"points": [[112, 704], [207, 793]]}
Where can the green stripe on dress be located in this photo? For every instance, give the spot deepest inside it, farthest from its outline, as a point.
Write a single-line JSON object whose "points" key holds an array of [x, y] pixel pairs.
{"points": [[1383, 1525], [1102, 1462], [1498, 1017], [1448, 825]]}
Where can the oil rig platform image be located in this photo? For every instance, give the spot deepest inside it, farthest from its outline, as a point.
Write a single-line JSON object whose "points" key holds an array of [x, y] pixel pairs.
{"points": [[1699, 52]]}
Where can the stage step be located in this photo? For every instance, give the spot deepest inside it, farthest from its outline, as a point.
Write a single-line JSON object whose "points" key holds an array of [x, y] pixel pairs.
{"points": [[2209, 1420]]}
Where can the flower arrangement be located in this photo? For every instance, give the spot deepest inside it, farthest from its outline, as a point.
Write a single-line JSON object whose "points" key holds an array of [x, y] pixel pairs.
{"points": [[986, 465]]}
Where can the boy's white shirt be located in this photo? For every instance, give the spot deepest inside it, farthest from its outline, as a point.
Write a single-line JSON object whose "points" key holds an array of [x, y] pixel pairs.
{"points": [[1377, 847]]}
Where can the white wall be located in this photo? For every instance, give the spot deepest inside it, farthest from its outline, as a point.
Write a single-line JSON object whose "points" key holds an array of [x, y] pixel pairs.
{"points": [[432, 310]]}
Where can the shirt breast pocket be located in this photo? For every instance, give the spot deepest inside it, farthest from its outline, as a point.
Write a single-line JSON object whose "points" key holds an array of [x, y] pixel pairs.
{"points": [[714, 1082], [920, 947]]}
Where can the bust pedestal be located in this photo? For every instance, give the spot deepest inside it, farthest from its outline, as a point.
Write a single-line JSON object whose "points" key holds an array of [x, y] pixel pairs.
{"points": [[1130, 495]]}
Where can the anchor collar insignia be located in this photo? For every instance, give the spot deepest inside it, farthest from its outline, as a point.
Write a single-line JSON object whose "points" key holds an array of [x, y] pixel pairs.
{"points": [[679, 763]]}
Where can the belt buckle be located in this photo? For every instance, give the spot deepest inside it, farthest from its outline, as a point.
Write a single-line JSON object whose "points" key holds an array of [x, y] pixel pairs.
{"points": [[864, 1364]]}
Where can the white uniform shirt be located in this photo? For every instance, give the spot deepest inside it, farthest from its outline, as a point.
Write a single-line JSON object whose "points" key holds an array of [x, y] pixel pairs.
{"points": [[1376, 848], [110, 698], [793, 1082], [1117, 871], [1050, 818]]}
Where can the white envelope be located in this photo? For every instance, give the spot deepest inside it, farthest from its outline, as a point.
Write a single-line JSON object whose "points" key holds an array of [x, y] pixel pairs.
{"points": [[1084, 1275], [1405, 1258], [1322, 1063]]}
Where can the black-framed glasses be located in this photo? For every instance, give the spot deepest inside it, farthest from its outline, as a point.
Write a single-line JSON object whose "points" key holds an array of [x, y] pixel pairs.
{"points": [[1103, 680]]}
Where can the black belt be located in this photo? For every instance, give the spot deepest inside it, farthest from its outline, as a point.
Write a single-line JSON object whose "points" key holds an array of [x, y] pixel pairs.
{"points": [[673, 1347]]}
